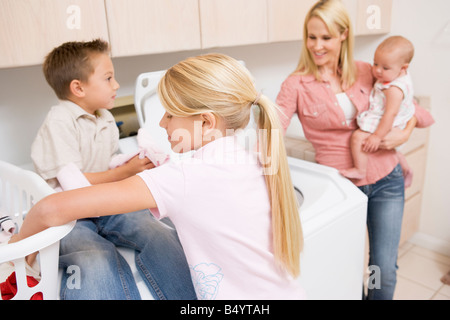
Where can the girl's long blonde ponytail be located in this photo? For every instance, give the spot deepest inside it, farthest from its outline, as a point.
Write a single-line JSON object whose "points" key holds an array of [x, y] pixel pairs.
{"points": [[286, 226]]}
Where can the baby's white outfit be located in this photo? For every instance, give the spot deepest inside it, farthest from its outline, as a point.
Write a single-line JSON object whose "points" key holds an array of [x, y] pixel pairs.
{"points": [[368, 121]]}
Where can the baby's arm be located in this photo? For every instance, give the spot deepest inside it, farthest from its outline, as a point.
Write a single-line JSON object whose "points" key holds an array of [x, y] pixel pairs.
{"points": [[132, 167], [394, 97]]}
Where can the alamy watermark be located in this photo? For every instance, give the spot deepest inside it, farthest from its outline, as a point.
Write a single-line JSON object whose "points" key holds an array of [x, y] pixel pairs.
{"points": [[373, 21], [73, 21], [374, 280], [74, 280]]}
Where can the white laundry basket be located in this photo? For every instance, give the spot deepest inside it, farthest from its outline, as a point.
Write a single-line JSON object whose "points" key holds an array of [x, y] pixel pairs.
{"points": [[19, 190]]}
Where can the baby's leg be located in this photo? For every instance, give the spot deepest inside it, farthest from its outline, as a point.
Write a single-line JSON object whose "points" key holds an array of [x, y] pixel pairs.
{"points": [[359, 157]]}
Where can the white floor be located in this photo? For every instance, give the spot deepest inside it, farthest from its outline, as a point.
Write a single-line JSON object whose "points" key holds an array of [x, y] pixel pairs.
{"points": [[419, 274]]}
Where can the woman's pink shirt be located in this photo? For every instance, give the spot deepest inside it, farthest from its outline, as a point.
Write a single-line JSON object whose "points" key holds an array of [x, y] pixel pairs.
{"points": [[324, 122]]}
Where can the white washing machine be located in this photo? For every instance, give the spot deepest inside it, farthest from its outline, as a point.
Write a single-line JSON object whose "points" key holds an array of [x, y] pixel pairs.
{"points": [[333, 212]]}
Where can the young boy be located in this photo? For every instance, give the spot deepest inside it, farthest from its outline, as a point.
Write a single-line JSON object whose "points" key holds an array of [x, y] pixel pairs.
{"points": [[81, 130]]}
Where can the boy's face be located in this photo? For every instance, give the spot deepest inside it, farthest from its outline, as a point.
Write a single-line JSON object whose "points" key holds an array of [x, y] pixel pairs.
{"points": [[101, 88]]}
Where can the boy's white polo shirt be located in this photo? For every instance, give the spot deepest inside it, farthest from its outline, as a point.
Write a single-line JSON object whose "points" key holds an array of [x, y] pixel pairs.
{"points": [[70, 134]]}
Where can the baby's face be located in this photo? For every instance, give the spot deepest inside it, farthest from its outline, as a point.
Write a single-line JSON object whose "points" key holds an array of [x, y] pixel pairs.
{"points": [[388, 65]]}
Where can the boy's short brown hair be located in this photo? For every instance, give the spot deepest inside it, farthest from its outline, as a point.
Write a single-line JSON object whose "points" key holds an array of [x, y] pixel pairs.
{"points": [[71, 61]]}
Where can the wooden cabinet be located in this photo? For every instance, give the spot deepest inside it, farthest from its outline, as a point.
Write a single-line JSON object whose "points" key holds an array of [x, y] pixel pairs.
{"points": [[415, 151], [286, 19], [31, 29], [140, 27], [370, 16], [233, 22]]}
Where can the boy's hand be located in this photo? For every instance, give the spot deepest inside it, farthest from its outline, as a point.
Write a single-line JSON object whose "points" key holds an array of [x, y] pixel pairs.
{"points": [[371, 144], [136, 165]]}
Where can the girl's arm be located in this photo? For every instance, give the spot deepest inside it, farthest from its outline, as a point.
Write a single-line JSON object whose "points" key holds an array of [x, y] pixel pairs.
{"points": [[60, 208]]}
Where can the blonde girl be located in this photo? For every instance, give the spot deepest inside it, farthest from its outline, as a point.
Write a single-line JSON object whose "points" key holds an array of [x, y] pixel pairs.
{"points": [[235, 211]]}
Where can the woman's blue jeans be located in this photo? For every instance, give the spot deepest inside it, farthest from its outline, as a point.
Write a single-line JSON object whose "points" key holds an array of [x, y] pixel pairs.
{"points": [[386, 200], [103, 274]]}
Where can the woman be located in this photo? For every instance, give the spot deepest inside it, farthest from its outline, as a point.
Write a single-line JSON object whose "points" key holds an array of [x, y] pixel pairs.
{"points": [[327, 90]]}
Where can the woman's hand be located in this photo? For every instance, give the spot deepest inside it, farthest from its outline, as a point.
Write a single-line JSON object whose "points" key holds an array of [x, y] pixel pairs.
{"points": [[396, 137]]}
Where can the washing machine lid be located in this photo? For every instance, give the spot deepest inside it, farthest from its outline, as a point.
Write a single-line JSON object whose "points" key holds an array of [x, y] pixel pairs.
{"points": [[326, 194]]}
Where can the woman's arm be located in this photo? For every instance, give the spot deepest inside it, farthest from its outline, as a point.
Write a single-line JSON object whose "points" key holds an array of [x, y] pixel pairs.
{"points": [[287, 101], [396, 137], [101, 200]]}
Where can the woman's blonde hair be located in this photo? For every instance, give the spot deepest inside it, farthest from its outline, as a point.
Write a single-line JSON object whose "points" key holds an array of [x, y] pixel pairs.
{"points": [[335, 16], [219, 84]]}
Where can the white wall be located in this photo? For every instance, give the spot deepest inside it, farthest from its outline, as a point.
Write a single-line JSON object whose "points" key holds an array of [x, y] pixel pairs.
{"points": [[424, 22], [25, 97]]}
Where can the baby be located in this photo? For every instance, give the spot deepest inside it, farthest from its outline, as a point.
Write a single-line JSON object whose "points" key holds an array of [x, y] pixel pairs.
{"points": [[391, 104]]}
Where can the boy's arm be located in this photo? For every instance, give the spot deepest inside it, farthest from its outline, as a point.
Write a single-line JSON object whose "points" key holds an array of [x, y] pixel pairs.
{"points": [[131, 168]]}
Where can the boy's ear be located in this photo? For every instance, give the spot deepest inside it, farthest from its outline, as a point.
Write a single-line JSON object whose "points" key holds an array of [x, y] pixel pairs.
{"points": [[76, 88], [405, 66]]}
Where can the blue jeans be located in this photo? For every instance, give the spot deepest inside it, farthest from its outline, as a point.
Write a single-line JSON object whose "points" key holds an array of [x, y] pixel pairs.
{"points": [[384, 221], [104, 273]]}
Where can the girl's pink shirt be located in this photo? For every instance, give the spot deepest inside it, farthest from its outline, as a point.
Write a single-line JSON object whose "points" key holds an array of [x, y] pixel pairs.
{"points": [[324, 122]]}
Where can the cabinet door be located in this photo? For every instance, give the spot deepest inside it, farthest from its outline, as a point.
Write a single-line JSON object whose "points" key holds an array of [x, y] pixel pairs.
{"points": [[152, 26], [233, 22], [29, 29], [286, 19], [370, 16]]}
